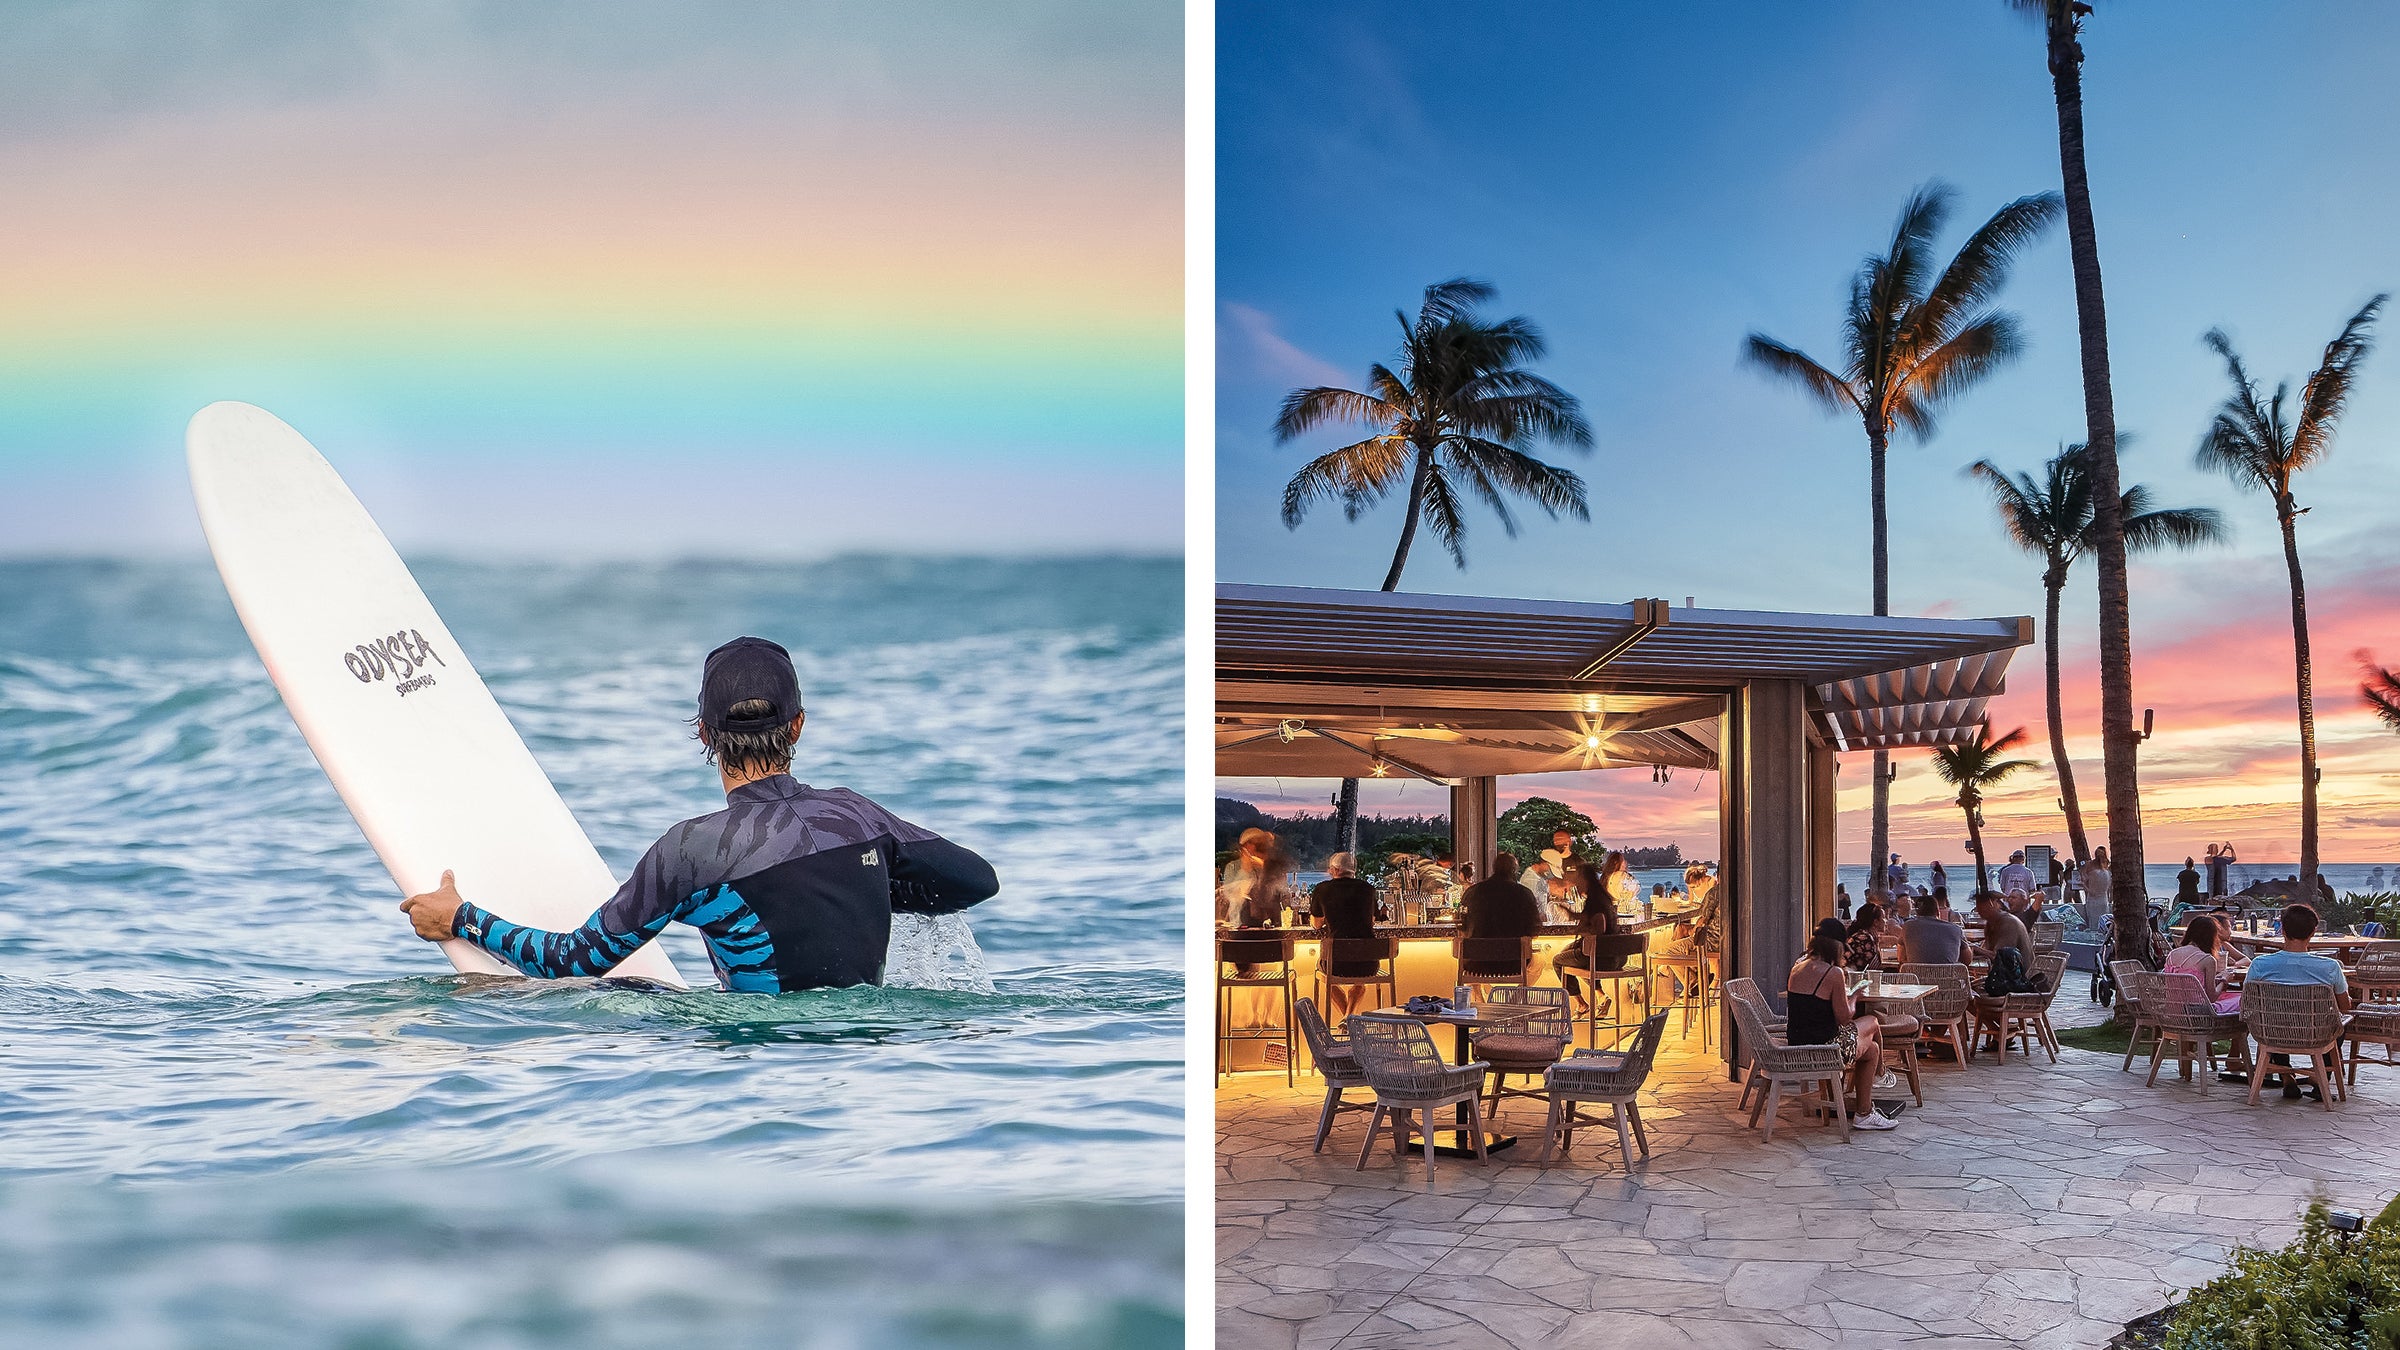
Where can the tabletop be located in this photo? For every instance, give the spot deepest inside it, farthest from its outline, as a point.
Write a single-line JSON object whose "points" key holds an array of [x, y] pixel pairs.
{"points": [[1475, 1015], [2320, 943]]}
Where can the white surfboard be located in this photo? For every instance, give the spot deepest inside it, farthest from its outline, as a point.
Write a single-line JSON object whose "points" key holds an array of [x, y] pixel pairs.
{"points": [[424, 758]]}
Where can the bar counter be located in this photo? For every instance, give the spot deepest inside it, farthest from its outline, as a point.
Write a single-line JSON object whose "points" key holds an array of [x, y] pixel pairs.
{"points": [[1426, 965]]}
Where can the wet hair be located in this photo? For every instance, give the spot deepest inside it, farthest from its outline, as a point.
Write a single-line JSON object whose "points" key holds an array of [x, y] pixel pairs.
{"points": [[2202, 934], [1825, 949], [762, 750], [1504, 867], [2299, 921]]}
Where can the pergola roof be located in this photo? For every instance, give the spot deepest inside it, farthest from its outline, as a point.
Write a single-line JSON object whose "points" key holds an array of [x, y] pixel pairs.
{"points": [[1327, 683]]}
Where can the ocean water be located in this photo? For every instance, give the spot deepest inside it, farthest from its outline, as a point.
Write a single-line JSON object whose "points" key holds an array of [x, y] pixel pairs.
{"points": [[240, 1104]]}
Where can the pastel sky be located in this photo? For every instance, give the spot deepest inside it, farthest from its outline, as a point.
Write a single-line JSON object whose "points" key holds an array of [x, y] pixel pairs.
{"points": [[1649, 183], [614, 278]]}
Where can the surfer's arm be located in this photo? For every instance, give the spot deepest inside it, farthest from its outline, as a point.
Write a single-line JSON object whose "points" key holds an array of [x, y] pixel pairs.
{"points": [[647, 902], [931, 875]]}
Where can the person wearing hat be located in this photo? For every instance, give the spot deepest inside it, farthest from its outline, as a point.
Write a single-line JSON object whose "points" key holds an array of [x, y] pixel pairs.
{"points": [[791, 886], [2016, 876]]}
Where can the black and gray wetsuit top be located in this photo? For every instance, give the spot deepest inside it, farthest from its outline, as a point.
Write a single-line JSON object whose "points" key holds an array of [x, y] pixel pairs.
{"points": [[792, 886]]}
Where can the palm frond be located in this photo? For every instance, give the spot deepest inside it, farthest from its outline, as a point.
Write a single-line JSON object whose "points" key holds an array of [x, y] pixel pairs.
{"points": [[1506, 468], [2022, 506], [1443, 518], [1798, 367], [1907, 267], [2170, 527], [2243, 440], [1981, 266], [1983, 344], [1304, 410], [2381, 691], [2327, 392], [1447, 301], [1358, 474]]}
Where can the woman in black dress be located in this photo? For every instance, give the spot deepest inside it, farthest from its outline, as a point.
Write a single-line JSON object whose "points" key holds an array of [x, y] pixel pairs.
{"points": [[1821, 1014], [1599, 918]]}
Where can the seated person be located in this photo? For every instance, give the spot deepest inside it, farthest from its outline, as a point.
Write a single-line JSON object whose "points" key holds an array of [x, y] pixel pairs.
{"points": [[2296, 964], [2198, 957], [1343, 906], [1931, 938], [1862, 942], [2001, 929], [1821, 1014], [1497, 907], [1597, 918]]}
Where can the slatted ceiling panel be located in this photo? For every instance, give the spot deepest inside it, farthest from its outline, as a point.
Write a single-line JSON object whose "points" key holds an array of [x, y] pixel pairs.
{"points": [[1494, 667], [1316, 757]]}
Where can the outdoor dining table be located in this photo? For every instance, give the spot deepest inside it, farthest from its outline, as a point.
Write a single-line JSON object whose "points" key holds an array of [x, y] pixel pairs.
{"points": [[2346, 949], [1459, 1142]]}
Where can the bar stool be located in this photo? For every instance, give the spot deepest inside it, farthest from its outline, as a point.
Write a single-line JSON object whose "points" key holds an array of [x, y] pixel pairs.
{"points": [[1626, 983], [1495, 960], [1700, 988], [1381, 955], [1235, 955]]}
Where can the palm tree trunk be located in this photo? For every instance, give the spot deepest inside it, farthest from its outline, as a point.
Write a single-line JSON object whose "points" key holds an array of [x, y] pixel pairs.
{"points": [[1967, 802], [2308, 707], [1345, 802], [1880, 831], [2129, 891], [1408, 524], [2053, 582]]}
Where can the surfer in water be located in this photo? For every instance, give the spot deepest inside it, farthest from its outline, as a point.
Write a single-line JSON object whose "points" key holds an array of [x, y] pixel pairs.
{"points": [[793, 887]]}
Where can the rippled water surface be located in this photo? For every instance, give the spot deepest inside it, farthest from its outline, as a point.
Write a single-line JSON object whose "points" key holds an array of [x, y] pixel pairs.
{"points": [[241, 1104]]}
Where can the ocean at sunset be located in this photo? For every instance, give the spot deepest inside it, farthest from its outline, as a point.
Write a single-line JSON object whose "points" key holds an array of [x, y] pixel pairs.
{"points": [[242, 1105]]}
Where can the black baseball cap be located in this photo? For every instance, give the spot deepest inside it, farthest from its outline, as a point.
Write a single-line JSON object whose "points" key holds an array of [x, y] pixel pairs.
{"points": [[744, 669]]}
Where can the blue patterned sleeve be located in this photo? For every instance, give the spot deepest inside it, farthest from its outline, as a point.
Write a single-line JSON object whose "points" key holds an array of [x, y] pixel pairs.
{"points": [[648, 901]]}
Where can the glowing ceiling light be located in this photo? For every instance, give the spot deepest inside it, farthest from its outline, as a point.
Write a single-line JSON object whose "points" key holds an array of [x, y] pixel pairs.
{"points": [[1381, 769], [1591, 742]]}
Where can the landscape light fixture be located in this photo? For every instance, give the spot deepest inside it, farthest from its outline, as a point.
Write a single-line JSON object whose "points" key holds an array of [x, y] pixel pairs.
{"points": [[2345, 1221], [2147, 715], [1891, 773]]}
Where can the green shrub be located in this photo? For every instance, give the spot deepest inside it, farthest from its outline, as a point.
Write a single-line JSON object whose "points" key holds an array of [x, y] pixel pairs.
{"points": [[2319, 1293], [2359, 907]]}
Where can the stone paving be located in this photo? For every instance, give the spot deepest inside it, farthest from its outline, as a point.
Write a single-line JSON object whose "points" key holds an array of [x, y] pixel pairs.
{"points": [[2034, 1205]]}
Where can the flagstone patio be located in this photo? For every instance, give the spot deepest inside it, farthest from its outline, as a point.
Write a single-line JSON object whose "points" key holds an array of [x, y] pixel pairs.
{"points": [[2031, 1205]]}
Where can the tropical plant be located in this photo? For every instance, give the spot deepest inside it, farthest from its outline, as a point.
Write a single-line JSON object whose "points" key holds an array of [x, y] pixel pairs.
{"points": [[2054, 518], [1453, 417], [1911, 340], [2257, 445], [2062, 32], [1972, 766], [2381, 691], [2327, 1289]]}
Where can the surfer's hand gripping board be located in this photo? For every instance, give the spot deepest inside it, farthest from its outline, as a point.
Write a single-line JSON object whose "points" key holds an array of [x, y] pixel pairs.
{"points": [[415, 744]]}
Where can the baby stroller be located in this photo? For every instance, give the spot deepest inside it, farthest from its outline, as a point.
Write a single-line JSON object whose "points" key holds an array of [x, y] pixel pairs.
{"points": [[2152, 956]]}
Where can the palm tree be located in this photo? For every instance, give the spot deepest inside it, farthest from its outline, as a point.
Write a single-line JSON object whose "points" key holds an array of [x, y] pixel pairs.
{"points": [[1911, 340], [2054, 519], [2381, 691], [2129, 898], [1972, 766], [1454, 418], [2254, 444]]}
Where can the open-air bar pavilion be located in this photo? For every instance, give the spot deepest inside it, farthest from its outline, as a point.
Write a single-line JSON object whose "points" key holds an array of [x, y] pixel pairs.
{"points": [[1459, 691]]}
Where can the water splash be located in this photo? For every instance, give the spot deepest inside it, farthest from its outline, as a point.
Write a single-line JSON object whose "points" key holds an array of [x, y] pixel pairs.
{"points": [[935, 951]]}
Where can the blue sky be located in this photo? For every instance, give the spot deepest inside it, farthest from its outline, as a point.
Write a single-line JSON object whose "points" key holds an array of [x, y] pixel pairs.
{"points": [[1650, 183]]}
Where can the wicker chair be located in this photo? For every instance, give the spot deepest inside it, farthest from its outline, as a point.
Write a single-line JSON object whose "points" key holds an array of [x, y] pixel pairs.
{"points": [[1334, 1060], [1813, 1067], [1402, 1064], [2048, 936], [1602, 1077], [1527, 1048], [2294, 1020], [2025, 1018], [1947, 1016], [2373, 1024], [2180, 1010], [1492, 961], [1771, 1022], [2377, 978], [2123, 972]]}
